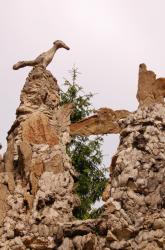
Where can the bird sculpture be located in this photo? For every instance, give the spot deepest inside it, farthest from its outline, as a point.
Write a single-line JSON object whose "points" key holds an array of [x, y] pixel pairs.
{"points": [[43, 59]]}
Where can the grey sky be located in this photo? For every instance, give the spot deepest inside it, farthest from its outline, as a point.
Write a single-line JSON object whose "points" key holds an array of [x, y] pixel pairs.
{"points": [[108, 40]]}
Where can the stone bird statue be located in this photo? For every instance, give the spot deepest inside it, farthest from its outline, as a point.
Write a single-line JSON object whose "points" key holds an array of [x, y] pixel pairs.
{"points": [[43, 59]]}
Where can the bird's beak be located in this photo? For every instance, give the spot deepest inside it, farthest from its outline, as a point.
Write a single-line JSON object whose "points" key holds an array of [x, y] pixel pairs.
{"points": [[66, 47]]}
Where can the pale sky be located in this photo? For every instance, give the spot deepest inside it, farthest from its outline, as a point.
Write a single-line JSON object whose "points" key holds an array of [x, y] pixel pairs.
{"points": [[108, 40]]}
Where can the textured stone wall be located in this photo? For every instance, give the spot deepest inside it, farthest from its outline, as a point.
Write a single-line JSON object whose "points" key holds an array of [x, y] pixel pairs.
{"points": [[37, 179], [36, 176], [151, 90], [135, 208]]}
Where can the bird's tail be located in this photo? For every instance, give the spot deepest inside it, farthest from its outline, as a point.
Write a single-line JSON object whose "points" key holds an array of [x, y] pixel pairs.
{"points": [[23, 64]]}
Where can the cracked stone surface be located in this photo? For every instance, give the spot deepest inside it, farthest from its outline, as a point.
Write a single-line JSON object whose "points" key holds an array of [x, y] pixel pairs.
{"points": [[37, 178]]}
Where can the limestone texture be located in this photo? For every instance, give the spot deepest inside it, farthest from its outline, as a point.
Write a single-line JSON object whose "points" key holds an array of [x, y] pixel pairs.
{"points": [[105, 121], [151, 90], [37, 178]]}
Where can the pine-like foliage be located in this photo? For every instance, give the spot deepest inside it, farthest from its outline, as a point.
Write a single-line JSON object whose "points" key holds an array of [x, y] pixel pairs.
{"points": [[85, 152]]}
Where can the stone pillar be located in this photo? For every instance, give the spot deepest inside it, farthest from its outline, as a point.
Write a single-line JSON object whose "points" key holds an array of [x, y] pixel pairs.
{"points": [[135, 208], [37, 184]]}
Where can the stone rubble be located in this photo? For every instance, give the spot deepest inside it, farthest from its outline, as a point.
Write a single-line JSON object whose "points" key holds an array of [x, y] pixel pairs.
{"points": [[37, 196]]}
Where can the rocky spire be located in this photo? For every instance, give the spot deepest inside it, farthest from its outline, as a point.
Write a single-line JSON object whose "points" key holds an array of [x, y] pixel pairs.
{"points": [[134, 197], [37, 179]]}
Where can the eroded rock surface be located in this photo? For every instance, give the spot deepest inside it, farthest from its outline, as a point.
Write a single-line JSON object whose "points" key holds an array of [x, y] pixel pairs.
{"points": [[37, 179], [150, 89], [105, 121], [135, 206]]}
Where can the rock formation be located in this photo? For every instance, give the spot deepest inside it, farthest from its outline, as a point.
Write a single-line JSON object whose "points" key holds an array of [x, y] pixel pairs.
{"points": [[37, 179], [105, 121], [150, 89]]}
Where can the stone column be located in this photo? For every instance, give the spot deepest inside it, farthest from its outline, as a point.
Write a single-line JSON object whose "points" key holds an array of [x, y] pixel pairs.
{"points": [[37, 183]]}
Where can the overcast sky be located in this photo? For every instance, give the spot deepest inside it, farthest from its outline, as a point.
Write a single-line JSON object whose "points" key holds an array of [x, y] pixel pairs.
{"points": [[108, 40]]}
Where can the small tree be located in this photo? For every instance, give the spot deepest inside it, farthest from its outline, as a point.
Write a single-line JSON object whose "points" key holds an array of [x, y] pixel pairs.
{"points": [[85, 152]]}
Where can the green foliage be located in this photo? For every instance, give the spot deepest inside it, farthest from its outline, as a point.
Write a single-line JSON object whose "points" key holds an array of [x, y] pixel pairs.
{"points": [[73, 94], [85, 152]]}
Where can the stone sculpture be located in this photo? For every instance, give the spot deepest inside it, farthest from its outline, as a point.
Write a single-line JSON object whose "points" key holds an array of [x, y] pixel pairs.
{"points": [[44, 59], [37, 178]]}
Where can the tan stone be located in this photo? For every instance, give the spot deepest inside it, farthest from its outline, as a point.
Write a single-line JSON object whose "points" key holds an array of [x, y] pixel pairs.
{"points": [[133, 215], [4, 192], [37, 130], [106, 193], [111, 236], [89, 242], [9, 155], [54, 165], [25, 157], [10, 182], [1, 157], [37, 168], [159, 223], [63, 114], [152, 246], [103, 122], [145, 82], [150, 89], [159, 90], [2, 167], [36, 171], [29, 198]]}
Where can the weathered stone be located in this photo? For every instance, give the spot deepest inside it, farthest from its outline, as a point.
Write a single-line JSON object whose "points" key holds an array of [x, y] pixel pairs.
{"points": [[105, 121], [2, 167], [118, 245], [9, 155], [159, 223], [25, 158], [111, 236], [4, 192], [37, 185], [106, 193], [146, 80], [54, 165], [37, 169], [150, 89], [36, 130]]}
